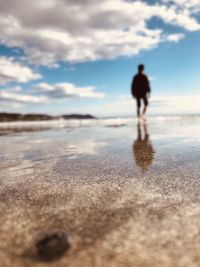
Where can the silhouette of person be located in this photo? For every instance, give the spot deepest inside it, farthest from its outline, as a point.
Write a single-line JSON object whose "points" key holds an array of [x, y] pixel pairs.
{"points": [[142, 149], [140, 89]]}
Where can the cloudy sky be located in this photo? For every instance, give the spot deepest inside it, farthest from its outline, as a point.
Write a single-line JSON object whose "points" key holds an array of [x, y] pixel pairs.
{"points": [[79, 56]]}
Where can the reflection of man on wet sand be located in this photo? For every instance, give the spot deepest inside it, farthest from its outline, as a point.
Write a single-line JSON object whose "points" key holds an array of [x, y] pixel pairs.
{"points": [[142, 149]]}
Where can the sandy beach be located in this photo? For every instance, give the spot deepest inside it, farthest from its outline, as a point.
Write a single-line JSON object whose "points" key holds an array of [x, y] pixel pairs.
{"points": [[112, 194]]}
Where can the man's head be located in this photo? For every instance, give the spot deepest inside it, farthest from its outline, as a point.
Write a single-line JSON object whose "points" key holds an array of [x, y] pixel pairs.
{"points": [[140, 68]]}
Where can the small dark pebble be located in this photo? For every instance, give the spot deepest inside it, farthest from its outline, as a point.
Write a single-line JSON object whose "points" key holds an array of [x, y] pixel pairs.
{"points": [[52, 246]]}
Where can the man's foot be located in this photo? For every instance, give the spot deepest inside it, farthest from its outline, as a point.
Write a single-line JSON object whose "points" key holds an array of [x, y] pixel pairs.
{"points": [[140, 119], [143, 118]]}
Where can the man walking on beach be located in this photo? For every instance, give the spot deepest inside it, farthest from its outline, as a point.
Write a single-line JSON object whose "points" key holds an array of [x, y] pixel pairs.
{"points": [[140, 89]]}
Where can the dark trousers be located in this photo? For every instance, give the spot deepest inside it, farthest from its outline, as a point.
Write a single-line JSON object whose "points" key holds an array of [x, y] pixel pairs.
{"points": [[144, 99]]}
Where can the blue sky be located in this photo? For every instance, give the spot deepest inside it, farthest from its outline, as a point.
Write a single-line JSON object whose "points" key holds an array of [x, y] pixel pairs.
{"points": [[80, 56]]}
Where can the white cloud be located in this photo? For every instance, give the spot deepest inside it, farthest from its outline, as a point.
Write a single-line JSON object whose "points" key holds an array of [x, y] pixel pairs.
{"points": [[11, 71], [66, 90], [189, 5], [175, 37], [74, 31], [17, 96], [46, 93]]}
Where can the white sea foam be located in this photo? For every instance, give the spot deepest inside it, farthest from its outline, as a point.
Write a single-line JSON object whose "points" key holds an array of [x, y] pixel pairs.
{"points": [[109, 122]]}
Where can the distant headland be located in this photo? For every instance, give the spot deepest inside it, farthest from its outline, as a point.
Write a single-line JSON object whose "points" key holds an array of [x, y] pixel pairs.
{"points": [[9, 117]]}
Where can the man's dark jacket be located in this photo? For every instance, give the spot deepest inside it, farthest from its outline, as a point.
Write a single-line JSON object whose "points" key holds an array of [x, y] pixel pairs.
{"points": [[140, 86]]}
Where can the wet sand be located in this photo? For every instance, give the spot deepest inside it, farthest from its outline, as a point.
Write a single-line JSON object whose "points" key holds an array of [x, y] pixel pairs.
{"points": [[101, 196]]}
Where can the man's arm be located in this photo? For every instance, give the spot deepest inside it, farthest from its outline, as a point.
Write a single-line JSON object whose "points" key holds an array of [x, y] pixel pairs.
{"points": [[148, 87], [133, 87]]}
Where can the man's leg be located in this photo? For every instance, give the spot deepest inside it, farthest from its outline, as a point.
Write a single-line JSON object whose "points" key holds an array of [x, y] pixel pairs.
{"points": [[145, 105], [138, 106], [144, 110]]}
